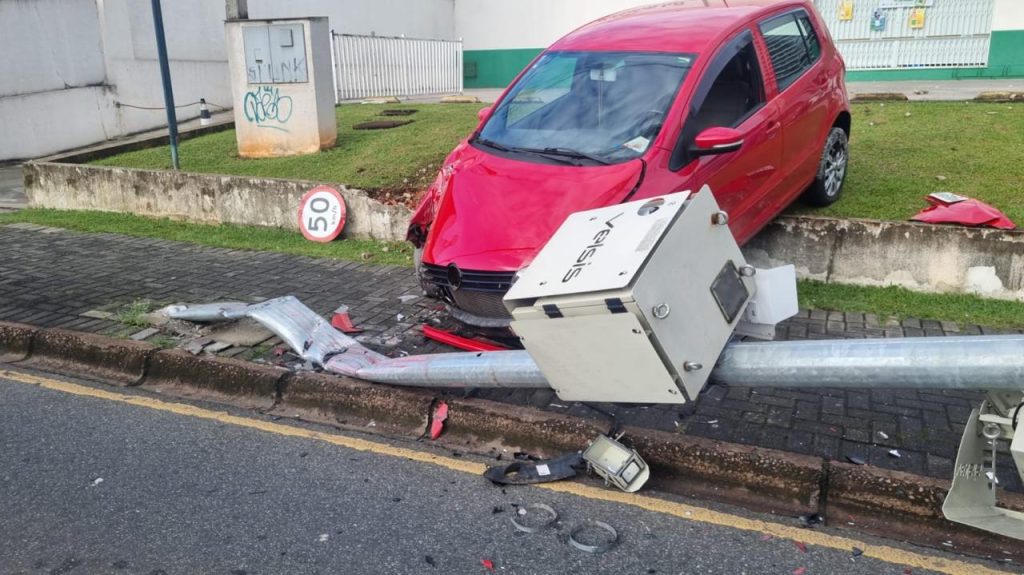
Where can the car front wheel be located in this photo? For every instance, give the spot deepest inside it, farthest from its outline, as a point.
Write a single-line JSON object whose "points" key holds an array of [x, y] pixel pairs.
{"points": [[828, 183]]}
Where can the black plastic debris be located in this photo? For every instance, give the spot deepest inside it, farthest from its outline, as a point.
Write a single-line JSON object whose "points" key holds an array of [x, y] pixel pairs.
{"points": [[811, 520], [528, 472]]}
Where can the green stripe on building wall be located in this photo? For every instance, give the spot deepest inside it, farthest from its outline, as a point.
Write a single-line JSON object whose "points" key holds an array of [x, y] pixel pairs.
{"points": [[1005, 60], [496, 68]]}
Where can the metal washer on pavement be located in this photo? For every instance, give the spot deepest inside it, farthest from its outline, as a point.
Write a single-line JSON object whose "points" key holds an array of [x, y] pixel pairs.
{"points": [[593, 548], [553, 515]]}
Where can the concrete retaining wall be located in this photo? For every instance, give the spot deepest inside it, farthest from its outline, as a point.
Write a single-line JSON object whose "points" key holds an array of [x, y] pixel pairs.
{"points": [[920, 257], [200, 198]]}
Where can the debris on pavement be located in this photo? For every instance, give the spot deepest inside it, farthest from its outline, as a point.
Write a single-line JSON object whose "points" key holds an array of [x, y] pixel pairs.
{"points": [[583, 537], [435, 419], [323, 538], [801, 546], [799, 571], [883, 435], [342, 322], [196, 346], [488, 564], [947, 208], [617, 464], [534, 517], [459, 342], [97, 481], [895, 453], [408, 298], [811, 520], [855, 460], [857, 551], [529, 472]]}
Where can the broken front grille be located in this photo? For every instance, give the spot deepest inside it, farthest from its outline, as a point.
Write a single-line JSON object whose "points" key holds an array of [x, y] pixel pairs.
{"points": [[477, 292]]}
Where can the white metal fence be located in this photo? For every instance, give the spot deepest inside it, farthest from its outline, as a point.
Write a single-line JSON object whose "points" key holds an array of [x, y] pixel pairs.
{"points": [[955, 33], [371, 66]]}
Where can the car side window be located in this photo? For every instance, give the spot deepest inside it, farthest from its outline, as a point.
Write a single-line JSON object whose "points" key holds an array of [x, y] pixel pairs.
{"points": [[810, 36], [792, 44], [734, 94], [731, 91]]}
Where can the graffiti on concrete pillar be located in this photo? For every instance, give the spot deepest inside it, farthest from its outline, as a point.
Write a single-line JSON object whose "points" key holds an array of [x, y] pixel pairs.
{"points": [[267, 108]]}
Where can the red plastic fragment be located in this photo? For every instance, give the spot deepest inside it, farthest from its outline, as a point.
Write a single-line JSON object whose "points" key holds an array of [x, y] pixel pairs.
{"points": [[969, 212], [801, 546], [342, 322], [459, 342], [488, 564], [799, 571], [437, 420]]}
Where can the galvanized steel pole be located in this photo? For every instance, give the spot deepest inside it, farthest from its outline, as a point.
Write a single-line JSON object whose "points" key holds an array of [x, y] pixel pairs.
{"points": [[983, 363], [165, 77]]}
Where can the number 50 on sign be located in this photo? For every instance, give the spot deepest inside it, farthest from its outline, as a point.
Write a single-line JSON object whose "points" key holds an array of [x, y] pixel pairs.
{"points": [[322, 214]]}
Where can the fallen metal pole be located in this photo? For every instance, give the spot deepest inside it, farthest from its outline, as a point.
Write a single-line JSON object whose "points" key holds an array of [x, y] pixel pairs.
{"points": [[493, 369], [983, 363], [988, 363]]}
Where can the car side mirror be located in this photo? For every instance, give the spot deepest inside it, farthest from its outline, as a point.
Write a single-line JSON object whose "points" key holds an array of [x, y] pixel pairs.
{"points": [[483, 113], [714, 141]]}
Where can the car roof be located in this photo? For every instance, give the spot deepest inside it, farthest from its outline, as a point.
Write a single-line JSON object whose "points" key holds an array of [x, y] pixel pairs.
{"points": [[686, 26]]}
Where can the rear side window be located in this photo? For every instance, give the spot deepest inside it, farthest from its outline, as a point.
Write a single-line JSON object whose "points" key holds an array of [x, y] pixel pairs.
{"points": [[793, 46]]}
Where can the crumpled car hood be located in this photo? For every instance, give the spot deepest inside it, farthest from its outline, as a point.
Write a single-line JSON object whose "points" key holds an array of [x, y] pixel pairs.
{"points": [[496, 213]]}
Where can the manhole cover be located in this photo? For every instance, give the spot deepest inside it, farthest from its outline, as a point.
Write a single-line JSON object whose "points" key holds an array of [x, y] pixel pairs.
{"points": [[381, 124]]}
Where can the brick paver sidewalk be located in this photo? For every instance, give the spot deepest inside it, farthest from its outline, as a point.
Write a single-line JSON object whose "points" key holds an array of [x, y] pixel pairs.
{"points": [[51, 277]]}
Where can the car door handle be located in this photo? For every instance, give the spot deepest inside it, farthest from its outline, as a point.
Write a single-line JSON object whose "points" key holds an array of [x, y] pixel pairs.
{"points": [[773, 129]]}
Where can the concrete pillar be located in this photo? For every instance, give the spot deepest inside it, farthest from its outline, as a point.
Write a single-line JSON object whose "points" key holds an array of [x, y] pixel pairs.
{"points": [[237, 9]]}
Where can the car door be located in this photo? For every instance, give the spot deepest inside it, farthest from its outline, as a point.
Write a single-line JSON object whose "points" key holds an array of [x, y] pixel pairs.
{"points": [[731, 94], [801, 79]]}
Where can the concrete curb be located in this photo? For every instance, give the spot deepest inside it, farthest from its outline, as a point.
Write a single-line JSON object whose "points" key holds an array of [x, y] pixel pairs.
{"points": [[878, 97], [906, 505], [871, 499], [1000, 97], [15, 341], [257, 385], [89, 355]]}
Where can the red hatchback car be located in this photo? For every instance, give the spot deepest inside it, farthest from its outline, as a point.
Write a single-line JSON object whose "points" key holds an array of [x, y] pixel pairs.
{"points": [[747, 97]]}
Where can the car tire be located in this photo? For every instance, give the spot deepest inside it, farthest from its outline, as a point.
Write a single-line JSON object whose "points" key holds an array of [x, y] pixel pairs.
{"points": [[832, 168]]}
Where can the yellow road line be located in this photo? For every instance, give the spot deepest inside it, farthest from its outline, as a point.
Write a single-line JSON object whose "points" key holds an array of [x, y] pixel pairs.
{"points": [[681, 510]]}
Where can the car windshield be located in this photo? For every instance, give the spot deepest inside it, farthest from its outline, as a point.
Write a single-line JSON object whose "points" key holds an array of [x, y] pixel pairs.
{"points": [[587, 108]]}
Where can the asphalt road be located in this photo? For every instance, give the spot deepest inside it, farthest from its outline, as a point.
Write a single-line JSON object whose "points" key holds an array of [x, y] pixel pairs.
{"points": [[92, 485]]}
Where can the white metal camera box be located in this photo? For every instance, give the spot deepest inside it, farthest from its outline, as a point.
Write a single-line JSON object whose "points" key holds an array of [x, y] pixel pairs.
{"points": [[633, 302]]}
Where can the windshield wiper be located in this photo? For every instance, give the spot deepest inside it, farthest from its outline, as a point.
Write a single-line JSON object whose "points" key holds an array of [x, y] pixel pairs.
{"points": [[557, 154], [492, 144], [569, 152], [561, 155]]}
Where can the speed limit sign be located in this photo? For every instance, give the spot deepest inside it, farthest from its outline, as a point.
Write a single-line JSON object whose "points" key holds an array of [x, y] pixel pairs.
{"points": [[322, 214]]}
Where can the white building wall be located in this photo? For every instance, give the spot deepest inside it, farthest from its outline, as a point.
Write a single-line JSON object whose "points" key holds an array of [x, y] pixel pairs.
{"points": [[69, 63], [52, 75], [433, 19], [1008, 15], [504, 24]]}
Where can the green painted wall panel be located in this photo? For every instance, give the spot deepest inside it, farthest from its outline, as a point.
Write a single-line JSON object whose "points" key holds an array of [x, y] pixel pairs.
{"points": [[496, 68]]}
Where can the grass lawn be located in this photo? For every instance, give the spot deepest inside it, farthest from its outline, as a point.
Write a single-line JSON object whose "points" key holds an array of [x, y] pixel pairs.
{"points": [[402, 159], [218, 236], [883, 302], [895, 158]]}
